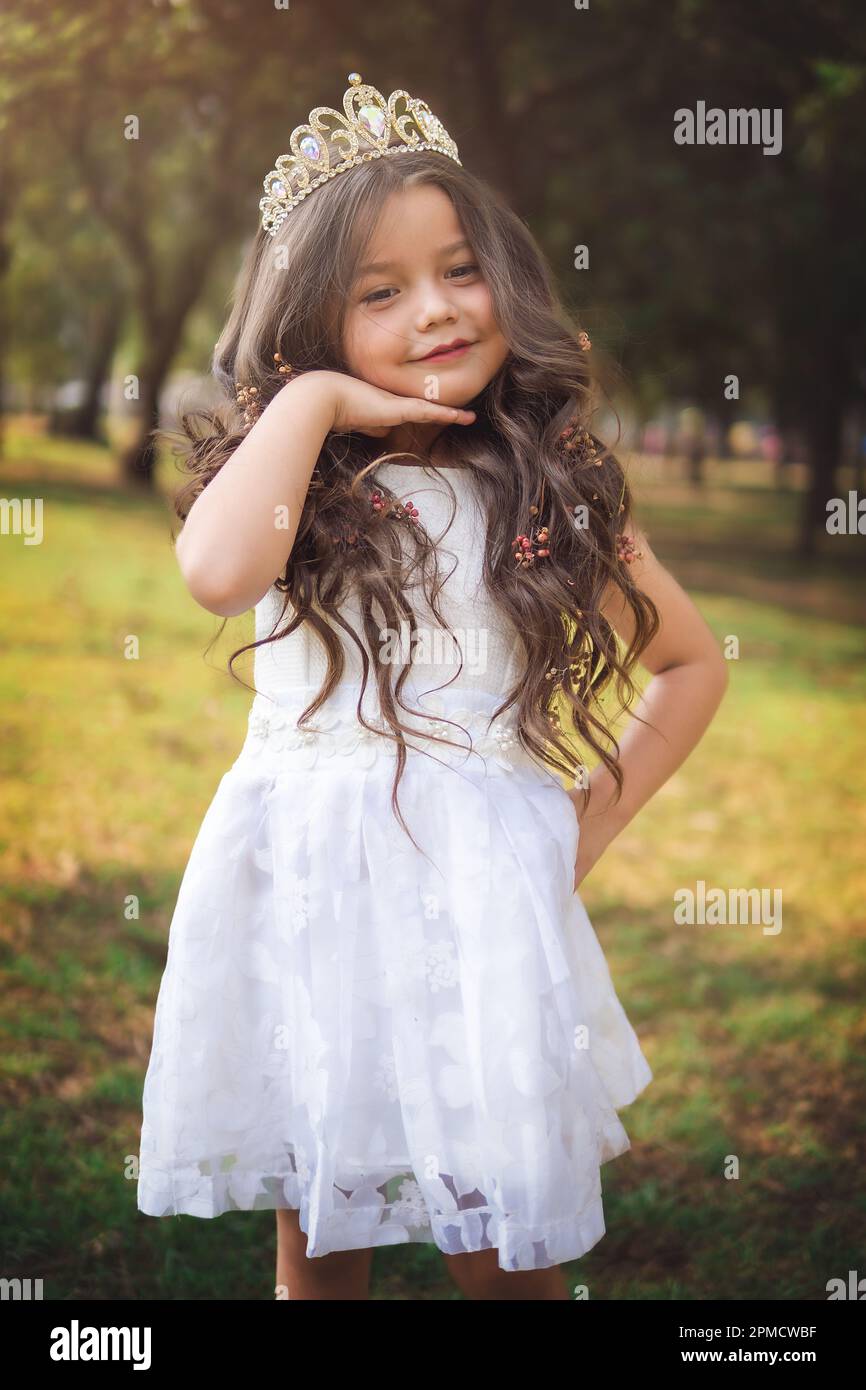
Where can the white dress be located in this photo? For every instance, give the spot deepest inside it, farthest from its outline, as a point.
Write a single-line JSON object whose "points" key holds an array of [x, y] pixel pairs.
{"points": [[405, 1048]]}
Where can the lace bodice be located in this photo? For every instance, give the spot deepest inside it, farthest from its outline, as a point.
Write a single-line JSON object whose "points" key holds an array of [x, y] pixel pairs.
{"points": [[489, 644]]}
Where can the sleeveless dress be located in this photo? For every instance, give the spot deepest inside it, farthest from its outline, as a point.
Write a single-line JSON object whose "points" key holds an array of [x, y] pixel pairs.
{"points": [[404, 1044]]}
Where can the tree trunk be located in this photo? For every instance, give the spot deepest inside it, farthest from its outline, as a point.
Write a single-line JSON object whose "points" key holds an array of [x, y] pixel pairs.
{"points": [[823, 433], [695, 454], [84, 423], [139, 460], [162, 334], [858, 435]]}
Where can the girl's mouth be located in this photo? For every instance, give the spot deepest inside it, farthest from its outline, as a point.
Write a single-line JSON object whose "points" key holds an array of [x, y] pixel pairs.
{"points": [[448, 354]]}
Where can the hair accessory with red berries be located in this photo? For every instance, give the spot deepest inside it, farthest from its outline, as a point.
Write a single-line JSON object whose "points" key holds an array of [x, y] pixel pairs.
{"points": [[625, 549], [393, 507], [535, 545], [249, 397], [577, 440]]}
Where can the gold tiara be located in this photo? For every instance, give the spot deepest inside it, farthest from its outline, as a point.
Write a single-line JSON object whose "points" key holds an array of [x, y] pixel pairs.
{"points": [[360, 135]]}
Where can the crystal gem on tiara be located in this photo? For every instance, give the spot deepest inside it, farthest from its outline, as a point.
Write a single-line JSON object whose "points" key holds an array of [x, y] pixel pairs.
{"points": [[372, 127], [311, 147], [373, 119]]}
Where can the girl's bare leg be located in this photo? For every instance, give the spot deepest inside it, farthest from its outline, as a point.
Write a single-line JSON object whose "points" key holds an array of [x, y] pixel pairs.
{"points": [[477, 1275], [345, 1274]]}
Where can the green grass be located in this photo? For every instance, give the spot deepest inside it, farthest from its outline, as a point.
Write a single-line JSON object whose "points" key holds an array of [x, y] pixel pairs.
{"points": [[744, 1179]]}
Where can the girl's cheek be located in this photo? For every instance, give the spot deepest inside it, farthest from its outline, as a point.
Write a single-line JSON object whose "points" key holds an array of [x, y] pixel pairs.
{"points": [[357, 342], [478, 304]]}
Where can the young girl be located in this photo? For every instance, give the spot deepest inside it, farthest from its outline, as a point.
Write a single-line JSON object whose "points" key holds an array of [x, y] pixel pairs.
{"points": [[385, 1012]]}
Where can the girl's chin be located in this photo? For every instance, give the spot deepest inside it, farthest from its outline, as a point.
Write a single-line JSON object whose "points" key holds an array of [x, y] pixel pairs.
{"points": [[456, 381]]}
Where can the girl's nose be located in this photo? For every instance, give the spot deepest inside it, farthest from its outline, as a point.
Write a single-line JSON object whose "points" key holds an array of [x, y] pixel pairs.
{"points": [[436, 307]]}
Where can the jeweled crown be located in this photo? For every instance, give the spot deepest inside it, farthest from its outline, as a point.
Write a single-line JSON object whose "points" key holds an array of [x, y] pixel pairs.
{"points": [[364, 133]]}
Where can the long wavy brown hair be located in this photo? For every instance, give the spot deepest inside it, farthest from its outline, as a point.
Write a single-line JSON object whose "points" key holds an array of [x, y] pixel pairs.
{"points": [[291, 298]]}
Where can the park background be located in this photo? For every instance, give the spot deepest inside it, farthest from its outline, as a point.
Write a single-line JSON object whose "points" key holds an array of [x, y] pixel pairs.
{"points": [[117, 259]]}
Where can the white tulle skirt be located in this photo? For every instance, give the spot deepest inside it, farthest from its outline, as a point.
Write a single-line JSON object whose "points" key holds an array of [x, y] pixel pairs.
{"points": [[403, 1048]]}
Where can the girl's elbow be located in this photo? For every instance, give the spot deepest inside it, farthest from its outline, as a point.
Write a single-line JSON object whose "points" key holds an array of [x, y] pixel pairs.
{"points": [[720, 672], [212, 590], [210, 596]]}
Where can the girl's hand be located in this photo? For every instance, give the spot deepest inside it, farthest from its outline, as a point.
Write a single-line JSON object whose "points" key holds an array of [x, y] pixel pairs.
{"points": [[365, 409], [596, 833]]}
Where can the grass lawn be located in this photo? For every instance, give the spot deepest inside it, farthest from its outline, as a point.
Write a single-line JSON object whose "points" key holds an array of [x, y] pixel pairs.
{"points": [[116, 729]]}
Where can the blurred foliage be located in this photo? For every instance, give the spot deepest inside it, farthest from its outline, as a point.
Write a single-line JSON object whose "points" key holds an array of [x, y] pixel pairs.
{"points": [[704, 260]]}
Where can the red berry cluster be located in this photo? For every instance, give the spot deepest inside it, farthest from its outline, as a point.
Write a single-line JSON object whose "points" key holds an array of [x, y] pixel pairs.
{"points": [[378, 503], [625, 549], [395, 508], [578, 440], [345, 540], [527, 549]]}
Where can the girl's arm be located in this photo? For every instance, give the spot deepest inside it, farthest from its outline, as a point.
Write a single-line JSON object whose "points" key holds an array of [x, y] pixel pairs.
{"points": [[240, 530], [689, 678]]}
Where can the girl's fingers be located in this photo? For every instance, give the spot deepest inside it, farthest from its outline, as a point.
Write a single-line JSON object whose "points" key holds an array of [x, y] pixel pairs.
{"points": [[429, 410], [410, 410]]}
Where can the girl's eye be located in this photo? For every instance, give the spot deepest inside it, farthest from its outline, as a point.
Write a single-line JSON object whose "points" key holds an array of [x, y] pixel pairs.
{"points": [[373, 298]]}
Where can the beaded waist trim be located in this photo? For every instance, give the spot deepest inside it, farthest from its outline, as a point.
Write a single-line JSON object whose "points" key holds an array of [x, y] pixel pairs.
{"points": [[341, 734]]}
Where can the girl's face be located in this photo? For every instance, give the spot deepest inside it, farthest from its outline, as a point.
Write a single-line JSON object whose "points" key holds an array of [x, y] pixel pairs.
{"points": [[420, 288]]}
